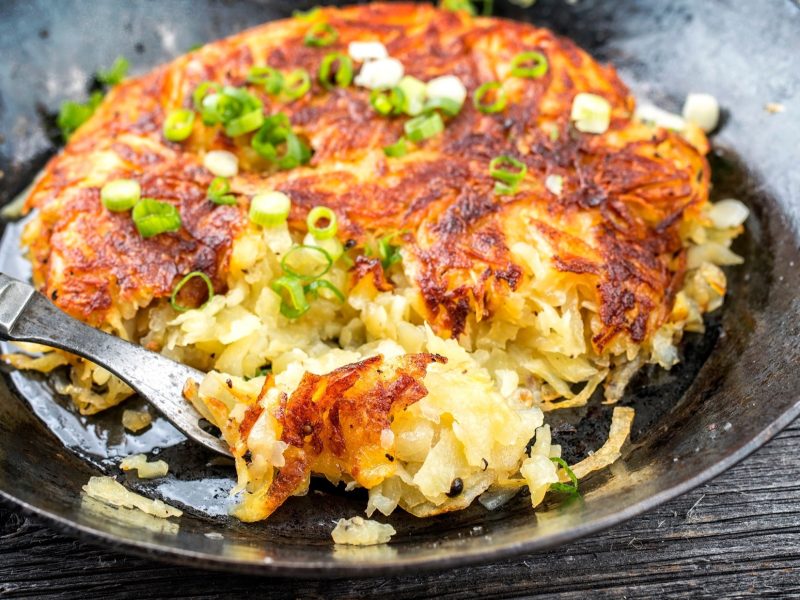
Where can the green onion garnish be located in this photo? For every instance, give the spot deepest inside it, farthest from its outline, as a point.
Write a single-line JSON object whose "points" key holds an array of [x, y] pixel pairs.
{"points": [[342, 74], [178, 125], [296, 84], [322, 213], [320, 34], [388, 252], [399, 148], [270, 209], [152, 217], [173, 299], [423, 127], [271, 79], [413, 95], [293, 296], [72, 115], [565, 488], [275, 131], [447, 105], [201, 91], [456, 5], [245, 124], [315, 286], [120, 195], [487, 88], [507, 180], [116, 73], [381, 102], [306, 15], [303, 262], [218, 191], [529, 64]]}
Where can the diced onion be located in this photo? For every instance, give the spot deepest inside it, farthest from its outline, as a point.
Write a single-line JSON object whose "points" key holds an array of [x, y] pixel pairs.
{"points": [[447, 86], [702, 110], [383, 73], [590, 113], [728, 213], [221, 163], [362, 51], [554, 184]]}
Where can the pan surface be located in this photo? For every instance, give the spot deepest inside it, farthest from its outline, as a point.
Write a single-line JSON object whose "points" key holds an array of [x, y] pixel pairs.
{"points": [[737, 386]]}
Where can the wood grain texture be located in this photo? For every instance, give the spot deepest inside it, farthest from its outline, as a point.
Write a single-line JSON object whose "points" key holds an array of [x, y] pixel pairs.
{"points": [[738, 536]]}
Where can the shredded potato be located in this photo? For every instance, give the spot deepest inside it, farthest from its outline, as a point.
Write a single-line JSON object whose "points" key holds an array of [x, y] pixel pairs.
{"points": [[357, 531], [144, 469], [621, 421], [108, 490]]}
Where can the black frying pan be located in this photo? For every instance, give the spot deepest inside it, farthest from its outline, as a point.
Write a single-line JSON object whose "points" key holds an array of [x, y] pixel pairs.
{"points": [[737, 385]]}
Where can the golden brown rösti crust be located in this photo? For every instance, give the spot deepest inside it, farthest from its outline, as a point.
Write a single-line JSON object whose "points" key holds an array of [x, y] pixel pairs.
{"points": [[625, 192]]}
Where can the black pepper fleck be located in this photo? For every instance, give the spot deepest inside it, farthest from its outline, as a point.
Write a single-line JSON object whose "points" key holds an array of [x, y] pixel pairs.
{"points": [[389, 457], [229, 383], [456, 488], [351, 243]]}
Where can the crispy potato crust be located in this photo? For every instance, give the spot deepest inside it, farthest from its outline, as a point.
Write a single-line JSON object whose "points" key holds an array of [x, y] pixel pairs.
{"points": [[625, 192]]}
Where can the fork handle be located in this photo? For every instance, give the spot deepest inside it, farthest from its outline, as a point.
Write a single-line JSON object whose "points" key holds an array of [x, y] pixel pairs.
{"points": [[27, 316]]}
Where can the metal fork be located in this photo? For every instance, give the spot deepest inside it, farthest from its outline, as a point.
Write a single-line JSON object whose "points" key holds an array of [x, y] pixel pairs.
{"points": [[27, 316]]}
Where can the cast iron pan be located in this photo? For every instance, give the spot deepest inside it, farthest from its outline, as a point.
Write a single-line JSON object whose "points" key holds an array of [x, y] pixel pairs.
{"points": [[737, 386]]}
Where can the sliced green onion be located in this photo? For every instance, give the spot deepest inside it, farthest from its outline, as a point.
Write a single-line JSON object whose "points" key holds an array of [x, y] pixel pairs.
{"points": [[270, 209], [120, 195], [296, 84], [116, 73], [529, 64], [414, 92], [387, 102], [423, 127], [218, 191], [308, 259], [201, 91], [245, 124], [343, 74], [271, 79], [72, 115], [221, 163], [447, 105], [178, 125], [388, 252], [565, 488], [275, 131], [381, 102], [152, 217], [173, 299], [315, 286], [399, 148], [293, 296], [491, 107], [507, 180], [590, 113], [320, 213], [306, 15], [320, 34], [457, 5]]}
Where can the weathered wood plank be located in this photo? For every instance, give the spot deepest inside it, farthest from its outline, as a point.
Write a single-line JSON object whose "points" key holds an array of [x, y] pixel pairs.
{"points": [[738, 536]]}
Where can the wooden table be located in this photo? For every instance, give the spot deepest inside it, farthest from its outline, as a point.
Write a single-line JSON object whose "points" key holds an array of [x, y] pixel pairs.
{"points": [[736, 536]]}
